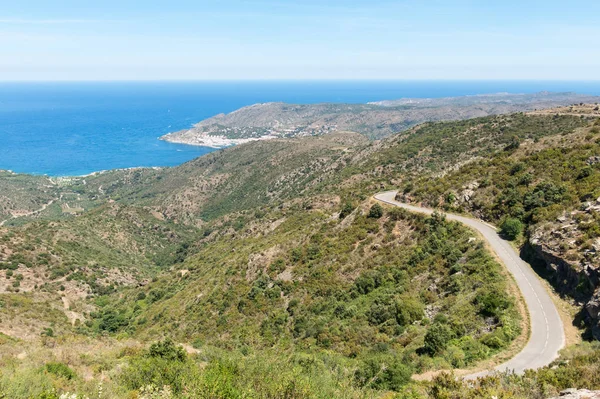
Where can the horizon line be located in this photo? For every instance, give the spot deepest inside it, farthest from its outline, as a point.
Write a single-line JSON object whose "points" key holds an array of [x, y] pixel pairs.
{"points": [[191, 80]]}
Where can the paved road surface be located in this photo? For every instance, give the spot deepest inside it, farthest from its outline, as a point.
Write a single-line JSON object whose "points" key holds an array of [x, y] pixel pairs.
{"points": [[547, 333]]}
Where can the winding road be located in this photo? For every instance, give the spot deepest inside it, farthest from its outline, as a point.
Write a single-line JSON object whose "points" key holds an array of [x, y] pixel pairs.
{"points": [[547, 333]]}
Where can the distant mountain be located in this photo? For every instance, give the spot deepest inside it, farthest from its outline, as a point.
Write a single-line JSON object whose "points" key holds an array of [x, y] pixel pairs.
{"points": [[374, 120]]}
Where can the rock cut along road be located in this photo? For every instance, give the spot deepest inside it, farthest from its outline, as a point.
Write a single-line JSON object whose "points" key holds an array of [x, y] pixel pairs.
{"points": [[547, 333]]}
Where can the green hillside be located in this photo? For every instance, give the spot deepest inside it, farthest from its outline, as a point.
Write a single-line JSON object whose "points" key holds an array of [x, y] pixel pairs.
{"points": [[280, 277], [543, 194]]}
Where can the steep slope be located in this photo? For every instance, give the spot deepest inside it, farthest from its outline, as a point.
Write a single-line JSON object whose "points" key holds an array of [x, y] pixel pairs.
{"points": [[268, 172], [64, 264], [548, 190], [547, 333], [363, 286]]}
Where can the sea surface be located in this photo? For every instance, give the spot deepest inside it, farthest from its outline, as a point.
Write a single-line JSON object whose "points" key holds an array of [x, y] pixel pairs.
{"points": [[66, 129]]}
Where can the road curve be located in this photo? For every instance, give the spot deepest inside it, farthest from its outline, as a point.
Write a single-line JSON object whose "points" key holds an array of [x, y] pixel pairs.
{"points": [[547, 333]]}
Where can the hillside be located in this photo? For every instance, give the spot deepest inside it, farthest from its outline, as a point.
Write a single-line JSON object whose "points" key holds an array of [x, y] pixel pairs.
{"points": [[64, 264], [374, 120], [272, 266], [266, 173], [549, 189], [21, 195]]}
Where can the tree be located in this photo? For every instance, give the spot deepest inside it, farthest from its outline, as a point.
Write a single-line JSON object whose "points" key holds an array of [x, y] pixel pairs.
{"points": [[511, 228], [375, 212], [436, 220]]}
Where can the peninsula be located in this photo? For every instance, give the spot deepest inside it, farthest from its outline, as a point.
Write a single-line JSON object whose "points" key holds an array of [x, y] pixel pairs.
{"points": [[374, 120]]}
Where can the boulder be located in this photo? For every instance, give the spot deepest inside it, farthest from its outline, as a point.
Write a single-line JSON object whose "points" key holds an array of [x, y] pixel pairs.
{"points": [[593, 160], [573, 393]]}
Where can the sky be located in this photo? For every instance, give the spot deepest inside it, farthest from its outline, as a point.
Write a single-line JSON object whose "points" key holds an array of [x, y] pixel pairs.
{"points": [[310, 39]]}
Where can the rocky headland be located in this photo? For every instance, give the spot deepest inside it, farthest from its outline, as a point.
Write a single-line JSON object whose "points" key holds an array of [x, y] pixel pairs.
{"points": [[374, 120]]}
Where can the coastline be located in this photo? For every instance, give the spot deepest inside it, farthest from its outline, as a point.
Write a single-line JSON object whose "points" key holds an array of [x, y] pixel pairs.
{"points": [[91, 174], [193, 137]]}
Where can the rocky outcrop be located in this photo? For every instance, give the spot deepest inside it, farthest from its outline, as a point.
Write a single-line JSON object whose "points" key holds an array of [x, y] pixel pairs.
{"points": [[593, 310], [573, 393], [574, 263], [572, 259]]}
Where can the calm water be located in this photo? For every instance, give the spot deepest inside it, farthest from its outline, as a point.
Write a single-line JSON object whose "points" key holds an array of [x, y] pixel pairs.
{"points": [[79, 128]]}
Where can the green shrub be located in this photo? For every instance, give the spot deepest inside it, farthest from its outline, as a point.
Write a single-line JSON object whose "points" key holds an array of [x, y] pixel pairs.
{"points": [[513, 144], [163, 364], [219, 381], [585, 172], [47, 332], [111, 321], [375, 212], [437, 338], [167, 349], [60, 370], [511, 228], [516, 168], [347, 209], [493, 303], [143, 371], [383, 373], [408, 311]]}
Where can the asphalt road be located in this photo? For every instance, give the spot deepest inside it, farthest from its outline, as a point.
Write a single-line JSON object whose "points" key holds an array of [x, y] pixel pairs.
{"points": [[547, 333]]}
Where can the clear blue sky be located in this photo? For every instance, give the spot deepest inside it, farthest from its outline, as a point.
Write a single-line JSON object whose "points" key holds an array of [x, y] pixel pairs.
{"points": [[310, 39]]}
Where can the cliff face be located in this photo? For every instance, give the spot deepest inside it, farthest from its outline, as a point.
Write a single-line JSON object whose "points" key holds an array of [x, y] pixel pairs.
{"points": [[576, 280], [574, 268]]}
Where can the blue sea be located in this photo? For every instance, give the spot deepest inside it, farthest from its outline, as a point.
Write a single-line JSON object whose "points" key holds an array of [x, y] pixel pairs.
{"points": [[62, 129]]}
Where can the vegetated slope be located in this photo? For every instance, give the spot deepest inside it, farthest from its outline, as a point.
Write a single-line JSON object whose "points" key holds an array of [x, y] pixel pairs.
{"points": [[548, 190], [253, 175], [435, 148], [235, 178], [23, 194], [65, 263], [356, 303], [269, 172], [376, 286], [374, 120], [579, 366]]}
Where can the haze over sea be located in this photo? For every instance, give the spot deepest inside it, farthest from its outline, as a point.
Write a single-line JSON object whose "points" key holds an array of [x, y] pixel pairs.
{"points": [[76, 128]]}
